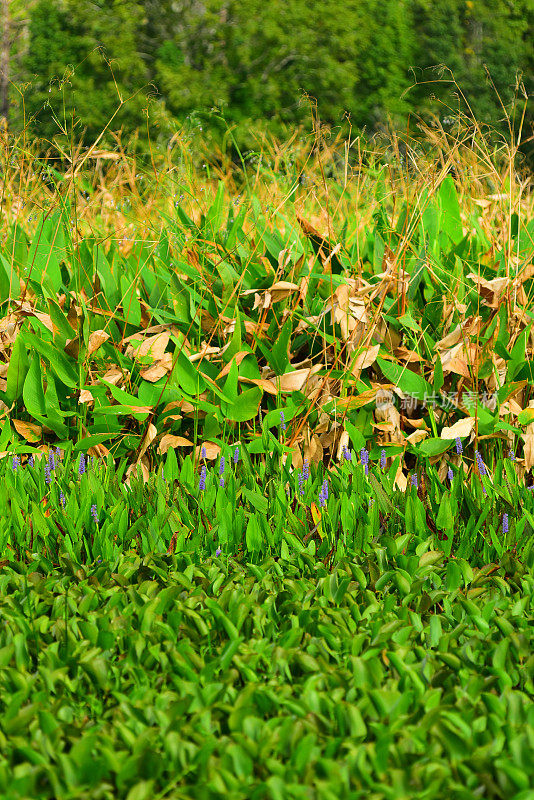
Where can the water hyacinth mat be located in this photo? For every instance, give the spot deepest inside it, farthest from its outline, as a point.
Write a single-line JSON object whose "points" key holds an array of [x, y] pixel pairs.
{"points": [[390, 676]]}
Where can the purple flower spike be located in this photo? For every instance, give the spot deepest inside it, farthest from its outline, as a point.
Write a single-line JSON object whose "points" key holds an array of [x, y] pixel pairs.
{"points": [[51, 462], [282, 421], [414, 480], [383, 459], [236, 455], [505, 523], [511, 455], [203, 452], [305, 470], [202, 482], [218, 551], [480, 464], [94, 513], [450, 474], [48, 477], [301, 482], [16, 462], [31, 461], [81, 465], [459, 447], [221, 482], [325, 489], [62, 498], [221, 466], [322, 500], [347, 455]]}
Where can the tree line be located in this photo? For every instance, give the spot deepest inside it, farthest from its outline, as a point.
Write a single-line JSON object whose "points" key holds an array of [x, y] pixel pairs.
{"points": [[153, 65]]}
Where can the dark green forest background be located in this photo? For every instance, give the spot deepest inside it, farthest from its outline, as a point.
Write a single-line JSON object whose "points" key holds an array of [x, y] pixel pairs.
{"points": [[373, 62]]}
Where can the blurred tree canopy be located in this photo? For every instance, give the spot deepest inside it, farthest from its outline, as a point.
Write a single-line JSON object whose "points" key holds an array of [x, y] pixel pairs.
{"points": [[132, 64]]}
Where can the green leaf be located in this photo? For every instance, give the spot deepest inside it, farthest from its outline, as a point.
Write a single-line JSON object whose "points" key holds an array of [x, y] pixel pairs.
{"points": [[17, 371], [409, 382], [433, 447], [444, 519], [451, 220], [32, 392], [253, 535], [439, 379], [56, 358], [246, 405]]}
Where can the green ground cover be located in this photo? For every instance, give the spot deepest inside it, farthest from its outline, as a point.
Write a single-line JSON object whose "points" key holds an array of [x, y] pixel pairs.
{"points": [[392, 676]]}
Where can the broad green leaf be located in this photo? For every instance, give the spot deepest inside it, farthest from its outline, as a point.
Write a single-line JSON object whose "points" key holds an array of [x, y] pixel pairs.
{"points": [[17, 370], [409, 382]]}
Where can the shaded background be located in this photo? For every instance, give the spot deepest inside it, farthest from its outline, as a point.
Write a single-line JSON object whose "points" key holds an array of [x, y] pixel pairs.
{"points": [[155, 66]]}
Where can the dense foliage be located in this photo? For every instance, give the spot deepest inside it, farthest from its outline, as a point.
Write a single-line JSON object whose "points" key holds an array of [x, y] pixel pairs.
{"points": [[158, 678], [255, 59]]}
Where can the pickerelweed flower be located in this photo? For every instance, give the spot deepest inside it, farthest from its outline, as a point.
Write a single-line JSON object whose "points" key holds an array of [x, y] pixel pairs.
{"points": [[505, 523], [480, 464], [301, 482], [16, 462], [221, 481], [459, 447], [383, 459], [81, 465], [450, 474], [218, 551], [282, 420], [322, 499], [305, 470], [58, 456], [94, 513], [31, 461], [48, 477], [62, 498], [236, 455], [202, 482], [203, 452], [414, 480], [511, 455], [364, 456], [51, 462], [347, 455], [221, 466], [325, 489]]}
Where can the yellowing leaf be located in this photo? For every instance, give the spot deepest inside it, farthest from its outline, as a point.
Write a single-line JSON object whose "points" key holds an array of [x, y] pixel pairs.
{"points": [[30, 431], [460, 429], [168, 440]]}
